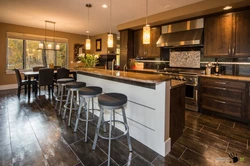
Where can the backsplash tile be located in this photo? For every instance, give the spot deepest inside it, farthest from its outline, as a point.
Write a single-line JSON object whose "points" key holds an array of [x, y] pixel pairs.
{"points": [[188, 59]]}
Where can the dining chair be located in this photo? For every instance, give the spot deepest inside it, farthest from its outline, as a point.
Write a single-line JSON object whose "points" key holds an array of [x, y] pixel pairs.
{"points": [[23, 83], [36, 68], [46, 79]]}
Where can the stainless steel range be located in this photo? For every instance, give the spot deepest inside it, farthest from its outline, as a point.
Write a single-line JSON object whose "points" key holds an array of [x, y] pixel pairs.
{"points": [[191, 78]]}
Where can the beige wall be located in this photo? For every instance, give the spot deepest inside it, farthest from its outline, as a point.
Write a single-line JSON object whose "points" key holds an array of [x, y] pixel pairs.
{"points": [[104, 38], [10, 78]]}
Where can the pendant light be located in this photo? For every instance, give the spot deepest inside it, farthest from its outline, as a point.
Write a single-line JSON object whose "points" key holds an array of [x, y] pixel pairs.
{"points": [[146, 28], [88, 41], [110, 35]]}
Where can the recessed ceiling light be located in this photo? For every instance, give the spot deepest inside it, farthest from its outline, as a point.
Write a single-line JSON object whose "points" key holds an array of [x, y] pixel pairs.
{"points": [[227, 7], [104, 6], [166, 6]]}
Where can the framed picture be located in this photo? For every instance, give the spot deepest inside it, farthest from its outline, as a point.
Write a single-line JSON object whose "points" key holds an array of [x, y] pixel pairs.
{"points": [[98, 43], [78, 49]]}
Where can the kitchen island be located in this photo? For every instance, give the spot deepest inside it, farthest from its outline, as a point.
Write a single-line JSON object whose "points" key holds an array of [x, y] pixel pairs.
{"points": [[148, 107]]}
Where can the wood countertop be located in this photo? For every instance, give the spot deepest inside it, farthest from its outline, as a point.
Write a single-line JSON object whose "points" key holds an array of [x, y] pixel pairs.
{"points": [[230, 77], [131, 76]]}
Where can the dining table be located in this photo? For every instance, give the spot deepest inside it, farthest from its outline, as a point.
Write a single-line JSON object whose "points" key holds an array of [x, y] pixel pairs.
{"points": [[35, 74]]}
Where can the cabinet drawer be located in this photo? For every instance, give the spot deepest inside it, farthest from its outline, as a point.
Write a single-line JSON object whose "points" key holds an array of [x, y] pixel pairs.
{"points": [[225, 107], [228, 94], [223, 83]]}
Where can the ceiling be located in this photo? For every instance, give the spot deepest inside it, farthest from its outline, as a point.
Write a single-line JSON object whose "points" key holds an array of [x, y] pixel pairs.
{"points": [[72, 15]]}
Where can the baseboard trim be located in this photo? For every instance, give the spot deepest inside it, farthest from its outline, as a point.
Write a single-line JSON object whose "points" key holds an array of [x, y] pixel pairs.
{"points": [[9, 86]]}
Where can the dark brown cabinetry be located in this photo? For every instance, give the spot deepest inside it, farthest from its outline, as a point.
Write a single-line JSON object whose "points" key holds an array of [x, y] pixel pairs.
{"points": [[126, 46], [223, 96], [227, 35], [177, 112], [147, 50]]}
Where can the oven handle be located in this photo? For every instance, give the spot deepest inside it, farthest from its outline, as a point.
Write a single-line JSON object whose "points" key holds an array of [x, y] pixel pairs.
{"points": [[223, 83], [192, 84]]}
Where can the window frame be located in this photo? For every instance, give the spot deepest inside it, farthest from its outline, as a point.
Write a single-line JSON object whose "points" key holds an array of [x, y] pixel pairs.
{"points": [[39, 38]]}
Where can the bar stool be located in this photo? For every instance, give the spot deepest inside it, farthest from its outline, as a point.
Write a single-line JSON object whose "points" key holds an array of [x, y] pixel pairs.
{"points": [[72, 87], [112, 101], [61, 84], [87, 93]]}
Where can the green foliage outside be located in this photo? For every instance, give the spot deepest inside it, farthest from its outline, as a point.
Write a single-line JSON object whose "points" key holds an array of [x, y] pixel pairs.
{"points": [[89, 60]]}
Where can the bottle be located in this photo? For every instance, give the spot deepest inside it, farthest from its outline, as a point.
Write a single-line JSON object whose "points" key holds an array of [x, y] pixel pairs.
{"points": [[217, 68]]}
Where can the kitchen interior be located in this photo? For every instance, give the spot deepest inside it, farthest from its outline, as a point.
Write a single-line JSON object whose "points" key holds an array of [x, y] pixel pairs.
{"points": [[209, 53]]}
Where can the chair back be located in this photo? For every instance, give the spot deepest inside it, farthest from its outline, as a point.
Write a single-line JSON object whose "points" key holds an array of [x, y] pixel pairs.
{"points": [[36, 68], [62, 73], [46, 76], [57, 67], [18, 77]]}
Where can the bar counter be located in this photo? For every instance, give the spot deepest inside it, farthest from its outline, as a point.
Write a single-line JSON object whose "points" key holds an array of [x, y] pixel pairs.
{"points": [[148, 106]]}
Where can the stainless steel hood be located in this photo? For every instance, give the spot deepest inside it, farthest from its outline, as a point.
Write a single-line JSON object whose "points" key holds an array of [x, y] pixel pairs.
{"points": [[188, 33]]}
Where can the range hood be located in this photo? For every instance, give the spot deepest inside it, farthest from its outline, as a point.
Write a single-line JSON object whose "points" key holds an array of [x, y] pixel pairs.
{"points": [[188, 33]]}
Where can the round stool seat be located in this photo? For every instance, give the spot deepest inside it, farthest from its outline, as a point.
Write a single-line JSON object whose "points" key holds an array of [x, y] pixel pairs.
{"points": [[112, 99], [90, 90], [75, 85], [65, 80]]}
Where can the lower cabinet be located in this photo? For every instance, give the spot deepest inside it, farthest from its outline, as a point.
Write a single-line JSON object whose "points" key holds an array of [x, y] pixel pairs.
{"points": [[177, 112], [224, 97]]}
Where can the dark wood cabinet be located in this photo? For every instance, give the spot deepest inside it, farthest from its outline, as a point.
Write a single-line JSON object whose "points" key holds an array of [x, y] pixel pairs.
{"points": [[227, 35], [126, 46], [177, 112], [223, 96], [147, 50]]}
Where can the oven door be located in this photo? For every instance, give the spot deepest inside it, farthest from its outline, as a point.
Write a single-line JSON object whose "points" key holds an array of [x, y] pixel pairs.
{"points": [[191, 101]]}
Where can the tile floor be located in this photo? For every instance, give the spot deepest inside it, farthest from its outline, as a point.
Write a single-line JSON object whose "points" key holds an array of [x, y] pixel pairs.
{"points": [[32, 134]]}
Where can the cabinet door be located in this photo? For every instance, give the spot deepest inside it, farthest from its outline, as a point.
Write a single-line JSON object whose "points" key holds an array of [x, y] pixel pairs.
{"points": [[218, 32], [124, 39], [155, 33], [242, 34]]}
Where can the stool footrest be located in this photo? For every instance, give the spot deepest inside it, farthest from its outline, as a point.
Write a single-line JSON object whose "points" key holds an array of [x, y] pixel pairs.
{"points": [[119, 136]]}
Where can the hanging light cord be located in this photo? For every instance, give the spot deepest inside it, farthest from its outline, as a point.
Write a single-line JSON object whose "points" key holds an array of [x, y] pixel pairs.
{"points": [[110, 18], [146, 12], [88, 22]]}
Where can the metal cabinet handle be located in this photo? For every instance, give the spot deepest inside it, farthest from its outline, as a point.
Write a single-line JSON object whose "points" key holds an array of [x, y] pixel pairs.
{"points": [[223, 83], [233, 51], [220, 88], [222, 102], [229, 49]]}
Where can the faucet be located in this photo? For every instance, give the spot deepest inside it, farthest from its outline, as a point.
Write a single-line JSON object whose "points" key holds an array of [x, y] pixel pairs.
{"points": [[112, 65], [125, 68]]}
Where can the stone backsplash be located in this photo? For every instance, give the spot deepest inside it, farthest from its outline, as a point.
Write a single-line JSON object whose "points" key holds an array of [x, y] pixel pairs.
{"points": [[187, 59]]}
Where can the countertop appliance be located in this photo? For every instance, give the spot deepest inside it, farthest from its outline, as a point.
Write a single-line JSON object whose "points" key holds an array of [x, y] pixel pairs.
{"points": [[191, 78]]}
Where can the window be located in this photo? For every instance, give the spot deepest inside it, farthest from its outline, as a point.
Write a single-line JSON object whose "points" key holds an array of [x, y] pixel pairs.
{"points": [[23, 52]]}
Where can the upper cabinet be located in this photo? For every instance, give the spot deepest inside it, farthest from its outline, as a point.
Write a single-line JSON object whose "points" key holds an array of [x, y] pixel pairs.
{"points": [[147, 50], [227, 35]]}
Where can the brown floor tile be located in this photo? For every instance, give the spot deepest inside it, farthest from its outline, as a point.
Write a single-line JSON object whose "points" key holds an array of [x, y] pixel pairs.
{"points": [[208, 140], [167, 161], [218, 120], [138, 160], [177, 150], [191, 158], [236, 132], [5, 155], [225, 136]]}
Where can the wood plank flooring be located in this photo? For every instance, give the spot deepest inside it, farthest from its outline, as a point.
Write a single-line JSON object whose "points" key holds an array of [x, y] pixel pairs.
{"points": [[31, 133]]}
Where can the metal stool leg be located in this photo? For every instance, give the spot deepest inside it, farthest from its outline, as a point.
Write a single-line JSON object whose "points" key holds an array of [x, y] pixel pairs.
{"points": [[79, 113], [65, 106], [110, 132], [71, 103], [128, 136], [61, 88], [87, 119], [58, 94], [97, 128]]}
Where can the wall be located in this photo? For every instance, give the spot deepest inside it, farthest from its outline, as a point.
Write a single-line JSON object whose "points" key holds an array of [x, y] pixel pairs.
{"points": [[104, 38], [10, 78]]}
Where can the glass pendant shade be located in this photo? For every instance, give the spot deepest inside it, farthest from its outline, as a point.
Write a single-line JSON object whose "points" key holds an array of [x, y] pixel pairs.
{"points": [[57, 47], [40, 45], [146, 34], [110, 40], [88, 45], [49, 46]]}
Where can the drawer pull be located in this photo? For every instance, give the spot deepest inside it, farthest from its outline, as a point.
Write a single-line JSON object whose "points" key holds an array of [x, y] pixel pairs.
{"points": [[223, 83], [220, 88], [222, 102], [229, 49]]}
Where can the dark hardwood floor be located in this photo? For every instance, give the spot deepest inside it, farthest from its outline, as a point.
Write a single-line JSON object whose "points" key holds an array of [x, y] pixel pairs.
{"points": [[31, 133]]}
